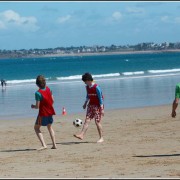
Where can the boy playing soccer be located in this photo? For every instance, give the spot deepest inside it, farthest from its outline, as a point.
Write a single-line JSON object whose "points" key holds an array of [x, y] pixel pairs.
{"points": [[95, 107], [44, 102], [176, 100]]}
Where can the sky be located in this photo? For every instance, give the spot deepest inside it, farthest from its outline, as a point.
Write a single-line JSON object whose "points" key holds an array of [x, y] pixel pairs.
{"points": [[51, 24]]}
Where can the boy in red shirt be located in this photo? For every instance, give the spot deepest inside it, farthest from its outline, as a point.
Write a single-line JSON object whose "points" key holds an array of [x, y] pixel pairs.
{"points": [[44, 102], [95, 107]]}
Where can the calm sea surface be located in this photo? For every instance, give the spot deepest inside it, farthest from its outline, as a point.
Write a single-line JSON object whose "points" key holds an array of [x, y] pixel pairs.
{"points": [[133, 80]]}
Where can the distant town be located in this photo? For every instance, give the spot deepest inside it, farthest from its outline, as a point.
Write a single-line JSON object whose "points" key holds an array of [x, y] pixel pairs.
{"points": [[84, 50]]}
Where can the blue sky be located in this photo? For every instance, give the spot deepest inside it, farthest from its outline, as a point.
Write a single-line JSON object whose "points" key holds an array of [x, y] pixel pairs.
{"points": [[43, 24]]}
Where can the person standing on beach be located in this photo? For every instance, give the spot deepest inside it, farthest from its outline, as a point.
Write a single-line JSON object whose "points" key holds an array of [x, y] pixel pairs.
{"points": [[44, 102], [95, 107], [3, 83], [176, 100]]}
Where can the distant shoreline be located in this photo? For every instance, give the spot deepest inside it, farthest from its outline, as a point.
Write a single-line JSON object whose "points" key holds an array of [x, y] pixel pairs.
{"points": [[96, 54], [110, 53]]}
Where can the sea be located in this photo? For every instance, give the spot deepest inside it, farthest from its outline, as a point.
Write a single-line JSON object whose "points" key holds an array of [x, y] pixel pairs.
{"points": [[126, 80]]}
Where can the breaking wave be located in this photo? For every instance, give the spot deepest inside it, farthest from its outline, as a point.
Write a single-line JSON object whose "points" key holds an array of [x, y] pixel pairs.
{"points": [[136, 74]]}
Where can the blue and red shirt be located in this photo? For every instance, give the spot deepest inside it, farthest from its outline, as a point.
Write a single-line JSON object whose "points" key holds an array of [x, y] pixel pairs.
{"points": [[94, 95], [46, 102]]}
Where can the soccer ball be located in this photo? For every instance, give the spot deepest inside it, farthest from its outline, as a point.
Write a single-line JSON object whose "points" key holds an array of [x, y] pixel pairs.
{"points": [[77, 122]]}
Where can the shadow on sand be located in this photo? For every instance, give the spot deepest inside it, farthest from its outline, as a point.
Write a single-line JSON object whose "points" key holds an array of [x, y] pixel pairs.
{"points": [[16, 150], [158, 155], [71, 143], [63, 143]]}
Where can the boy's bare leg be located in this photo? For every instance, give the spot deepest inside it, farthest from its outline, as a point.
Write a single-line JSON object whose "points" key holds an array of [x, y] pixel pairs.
{"points": [[84, 129], [99, 128], [52, 134], [40, 136]]}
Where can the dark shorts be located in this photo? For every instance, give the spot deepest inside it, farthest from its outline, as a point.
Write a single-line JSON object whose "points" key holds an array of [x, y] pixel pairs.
{"points": [[44, 121]]}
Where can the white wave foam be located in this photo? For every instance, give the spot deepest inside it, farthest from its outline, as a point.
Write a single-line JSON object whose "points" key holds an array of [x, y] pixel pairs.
{"points": [[21, 81], [75, 77], [164, 71], [141, 77], [133, 73], [107, 75], [99, 76], [80, 76], [139, 72], [70, 77], [127, 73]]}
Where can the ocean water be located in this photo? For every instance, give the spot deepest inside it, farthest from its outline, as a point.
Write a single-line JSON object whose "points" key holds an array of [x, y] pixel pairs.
{"points": [[128, 80]]}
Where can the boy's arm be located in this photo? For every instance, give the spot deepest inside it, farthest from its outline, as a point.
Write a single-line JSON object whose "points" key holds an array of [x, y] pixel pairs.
{"points": [[174, 107], [36, 106], [99, 93], [38, 98], [52, 96], [86, 101], [176, 101]]}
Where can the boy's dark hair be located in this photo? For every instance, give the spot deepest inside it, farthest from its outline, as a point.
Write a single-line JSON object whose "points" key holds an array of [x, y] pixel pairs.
{"points": [[41, 81], [87, 77]]}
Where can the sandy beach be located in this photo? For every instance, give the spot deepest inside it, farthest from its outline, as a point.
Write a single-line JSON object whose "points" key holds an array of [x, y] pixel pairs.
{"points": [[139, 143]]}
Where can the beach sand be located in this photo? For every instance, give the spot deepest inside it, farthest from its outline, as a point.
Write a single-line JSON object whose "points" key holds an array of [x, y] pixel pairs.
{"points": [[139, 143]]}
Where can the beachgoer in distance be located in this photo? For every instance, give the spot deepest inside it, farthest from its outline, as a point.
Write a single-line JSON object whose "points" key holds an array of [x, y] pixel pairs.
{"points": [[95, 107], [176, 100], [44, 102], [3, 83]]}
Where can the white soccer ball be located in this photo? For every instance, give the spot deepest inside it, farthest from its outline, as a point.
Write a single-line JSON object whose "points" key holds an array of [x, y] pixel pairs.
{"points": [[77, 122]]}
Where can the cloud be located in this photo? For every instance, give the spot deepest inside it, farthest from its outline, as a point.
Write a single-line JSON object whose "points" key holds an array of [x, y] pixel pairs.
{"points": [[114, 18], [172, 20], [11, 18], [64, 19], [165, 18], [117, 16]]}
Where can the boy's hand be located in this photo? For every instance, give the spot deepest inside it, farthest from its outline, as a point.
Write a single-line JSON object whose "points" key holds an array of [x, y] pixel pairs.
{"points": [[102, 112], [32, 106], [84, 106]]}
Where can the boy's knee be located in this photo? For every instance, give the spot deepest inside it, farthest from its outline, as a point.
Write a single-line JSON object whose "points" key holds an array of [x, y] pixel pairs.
{"points": [[36, 128], [97, 123], [49, 126], [87, 121]]}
